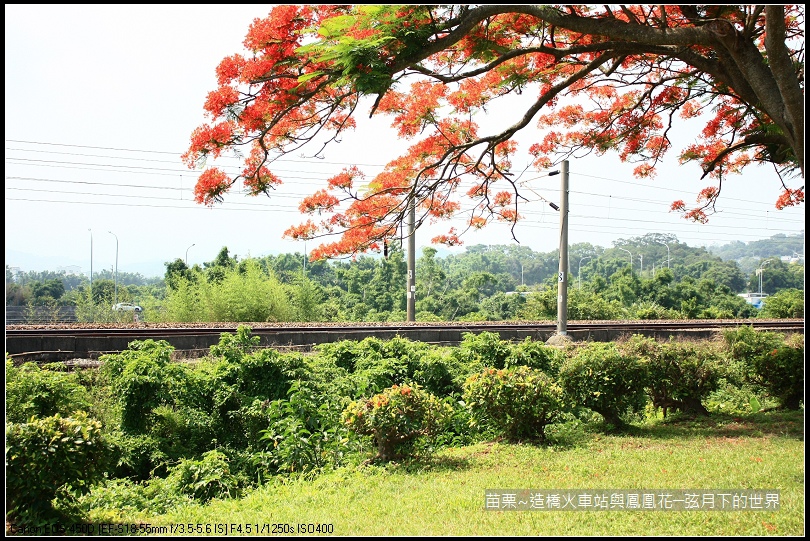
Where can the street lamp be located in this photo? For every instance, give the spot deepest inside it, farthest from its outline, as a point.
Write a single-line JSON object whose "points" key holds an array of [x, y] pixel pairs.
{"points": [[759, 271], [631, 257], [667, 245], [641, 260], [116, 265], [579, 267], [187, 249]]}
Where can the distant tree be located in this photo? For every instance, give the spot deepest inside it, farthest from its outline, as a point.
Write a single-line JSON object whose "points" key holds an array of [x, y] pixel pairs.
{"points": [[17, 294], [726, 273], [216, 270], [175, 271], [776, 275], [431, 282], [223, 259], [787, 303], [386, 287], [103, 291], [50, 289], [306, 300]]}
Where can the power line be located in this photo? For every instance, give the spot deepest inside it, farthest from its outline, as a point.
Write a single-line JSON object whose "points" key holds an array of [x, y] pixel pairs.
{"points": [[299, 196], [178, 154]]}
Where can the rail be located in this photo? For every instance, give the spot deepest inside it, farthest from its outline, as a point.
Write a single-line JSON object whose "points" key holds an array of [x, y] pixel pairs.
{"points": [[63, 342]]}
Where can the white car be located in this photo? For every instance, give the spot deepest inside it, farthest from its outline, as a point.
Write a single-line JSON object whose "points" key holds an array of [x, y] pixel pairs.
{"points": [[127, 307]]}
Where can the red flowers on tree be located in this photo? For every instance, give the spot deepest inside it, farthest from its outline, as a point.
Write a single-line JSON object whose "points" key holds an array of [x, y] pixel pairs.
{"points": [[603, 78]]}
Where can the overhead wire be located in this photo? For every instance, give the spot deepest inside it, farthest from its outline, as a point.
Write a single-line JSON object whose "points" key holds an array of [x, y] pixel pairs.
{"points": [[304, 180]]}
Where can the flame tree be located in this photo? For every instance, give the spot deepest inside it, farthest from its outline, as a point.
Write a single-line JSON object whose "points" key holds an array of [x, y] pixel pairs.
{"points": [[601, 78]]}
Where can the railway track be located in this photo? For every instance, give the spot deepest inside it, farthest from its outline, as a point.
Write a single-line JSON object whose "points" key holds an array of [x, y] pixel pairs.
{"points": [[86, 341]]}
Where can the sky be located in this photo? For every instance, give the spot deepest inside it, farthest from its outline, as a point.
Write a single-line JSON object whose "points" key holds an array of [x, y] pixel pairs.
{"points": [[101, 101]]}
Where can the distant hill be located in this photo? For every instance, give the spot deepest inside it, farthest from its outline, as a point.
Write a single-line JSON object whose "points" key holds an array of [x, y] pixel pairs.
{"points": [[780, 245]]}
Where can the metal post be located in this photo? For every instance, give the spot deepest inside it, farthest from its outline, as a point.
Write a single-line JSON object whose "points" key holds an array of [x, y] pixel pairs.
{"points": [[187, 249], [411, 312], [631, 257], [562, 277], [92, 302], [667, 245], [641, 260], [116, 265], [579, 269], [761, 267]]}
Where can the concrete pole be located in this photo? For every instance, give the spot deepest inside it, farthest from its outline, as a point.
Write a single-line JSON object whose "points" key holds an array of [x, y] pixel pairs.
{"points": [[92, 302], [116, 265], [411, 312], [562, 277]]}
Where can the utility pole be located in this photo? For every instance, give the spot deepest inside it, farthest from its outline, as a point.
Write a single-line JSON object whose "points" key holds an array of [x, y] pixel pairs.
{"points": [[92, 302], [562, 277], [411, 311], [116, 265]]}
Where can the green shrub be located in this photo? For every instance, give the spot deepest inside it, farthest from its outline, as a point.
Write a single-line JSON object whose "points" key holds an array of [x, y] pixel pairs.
{"points": [[486, 348], [781, 372], [31, 391], [771, 361], [205, 479], [535, 354], [516, 402], [268, 374], [183, 432], [139, 456], [344, 353], [650, 310], [731, 399], [426, 316], [243, 293], [233, 347], [142, 378], [680, 375], [206, 401], [786, 303], [305, 434], [396, 417], [48, 457], [457, 431], [435, 371], [375, 364], [604, 380], [744, 343], [115, 499]]}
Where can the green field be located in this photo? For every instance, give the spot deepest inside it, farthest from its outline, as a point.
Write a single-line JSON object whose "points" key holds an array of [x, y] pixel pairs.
{"points": [[445, 494]]}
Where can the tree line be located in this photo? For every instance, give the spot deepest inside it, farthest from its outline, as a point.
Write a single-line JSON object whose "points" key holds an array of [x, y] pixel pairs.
{"points": [[667, 280]]}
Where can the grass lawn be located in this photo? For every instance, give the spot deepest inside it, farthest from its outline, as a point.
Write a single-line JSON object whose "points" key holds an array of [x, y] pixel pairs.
{"points": [[444, 494]]}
